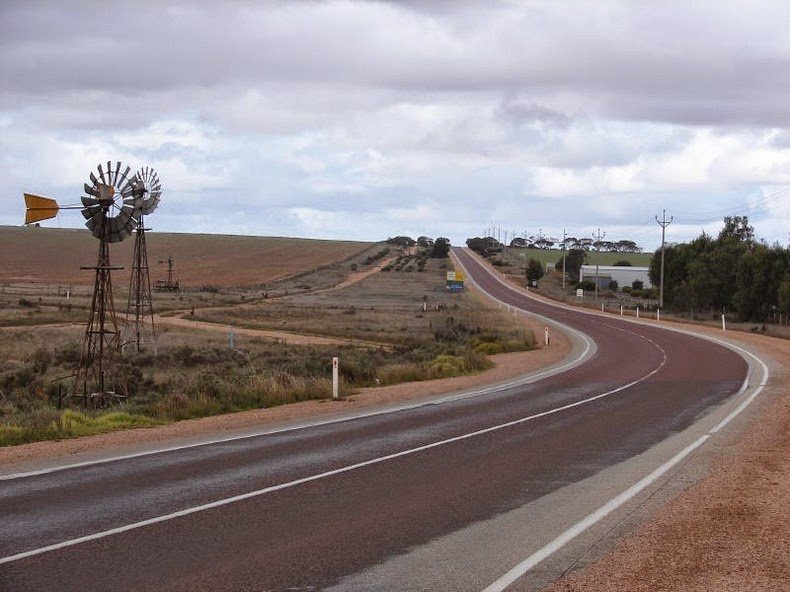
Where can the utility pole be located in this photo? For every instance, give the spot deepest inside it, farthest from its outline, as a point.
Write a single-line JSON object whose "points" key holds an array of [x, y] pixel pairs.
{"points": [[564, 238], [663, 223], [599, 237]]}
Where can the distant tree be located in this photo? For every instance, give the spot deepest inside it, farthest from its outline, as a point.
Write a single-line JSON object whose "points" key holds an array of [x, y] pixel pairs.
{"points": [[441, 248], [759, 276], [401, 241], [627, 246], [737, 228], [574, 260], [486, 247], [613, 285], [623, 263], [425, 242], [637, 285], [534, 270], [783, 294]]}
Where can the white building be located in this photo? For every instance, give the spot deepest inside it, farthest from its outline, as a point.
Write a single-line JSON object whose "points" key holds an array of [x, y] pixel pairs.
{"points": [[623, 275]]}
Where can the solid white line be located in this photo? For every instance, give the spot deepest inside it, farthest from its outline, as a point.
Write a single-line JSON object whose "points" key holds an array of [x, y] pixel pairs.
{"points": [[289, 484], [527, 564]]}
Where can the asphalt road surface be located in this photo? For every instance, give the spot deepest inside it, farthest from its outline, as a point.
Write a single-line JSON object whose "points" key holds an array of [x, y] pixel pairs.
{"points": [[428, 497]]}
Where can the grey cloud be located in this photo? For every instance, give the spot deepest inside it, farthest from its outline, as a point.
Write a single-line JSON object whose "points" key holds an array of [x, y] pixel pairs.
{"points": [[649, 65]]}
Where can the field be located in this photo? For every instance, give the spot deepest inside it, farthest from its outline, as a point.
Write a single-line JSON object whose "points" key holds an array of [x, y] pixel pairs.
{"points": [[546, 256], [405, 327], [54, 256]]}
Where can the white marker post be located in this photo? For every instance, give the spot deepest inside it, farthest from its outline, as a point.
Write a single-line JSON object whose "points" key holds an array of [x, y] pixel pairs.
{"points": [[547, 335], [335, 379], [637, 312], [602, 310], [621, 310], [658, 314], [723, 323]]}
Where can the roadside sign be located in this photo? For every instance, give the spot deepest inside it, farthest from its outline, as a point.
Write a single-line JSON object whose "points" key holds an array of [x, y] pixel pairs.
{"points": [[455, 281]]}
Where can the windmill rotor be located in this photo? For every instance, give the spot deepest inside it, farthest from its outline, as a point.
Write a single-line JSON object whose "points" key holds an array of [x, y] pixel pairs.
{"points": [[152, 190], [112, 204]]}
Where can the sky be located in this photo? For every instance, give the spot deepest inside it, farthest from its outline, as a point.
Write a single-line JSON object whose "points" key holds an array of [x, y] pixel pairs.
{"points": [[365, 120]]}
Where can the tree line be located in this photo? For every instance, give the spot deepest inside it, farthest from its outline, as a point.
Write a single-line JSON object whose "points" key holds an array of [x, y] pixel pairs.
{"points": [[438, 248], [732, 273], [491, 245]]}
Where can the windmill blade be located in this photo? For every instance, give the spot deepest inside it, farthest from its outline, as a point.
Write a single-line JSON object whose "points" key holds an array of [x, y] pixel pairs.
{"points": [[94, 180], [38, 207], [125, 181], [90, 201], [101, 174], [90, 190], [97, 225], [89, 213], [134, 202], [117, 171]]}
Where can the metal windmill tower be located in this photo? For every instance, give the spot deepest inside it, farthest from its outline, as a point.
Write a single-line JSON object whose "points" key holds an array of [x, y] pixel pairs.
{"points": [[110, 210], [139, 324]]}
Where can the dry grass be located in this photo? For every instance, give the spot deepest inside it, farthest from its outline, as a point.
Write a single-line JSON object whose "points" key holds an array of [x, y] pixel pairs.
{"points": [[196, 373]]}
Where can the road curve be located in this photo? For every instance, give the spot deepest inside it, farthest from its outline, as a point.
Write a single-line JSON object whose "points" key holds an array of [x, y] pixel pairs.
{"points": [[336, 504]]}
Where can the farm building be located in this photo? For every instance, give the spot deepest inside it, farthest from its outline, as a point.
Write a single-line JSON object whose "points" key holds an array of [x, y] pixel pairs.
{"points": [[624, 276]]}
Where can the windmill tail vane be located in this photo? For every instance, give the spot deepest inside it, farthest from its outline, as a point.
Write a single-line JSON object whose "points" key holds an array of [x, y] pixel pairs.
{"points": [[38, 207]]}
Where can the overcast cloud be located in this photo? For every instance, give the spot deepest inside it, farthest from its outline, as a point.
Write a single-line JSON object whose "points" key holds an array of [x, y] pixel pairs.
{"points": [[364, 120]]}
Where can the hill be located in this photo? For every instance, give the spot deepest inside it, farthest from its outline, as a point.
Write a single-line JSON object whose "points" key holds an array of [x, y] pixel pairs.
{"points": [[54, 256]]}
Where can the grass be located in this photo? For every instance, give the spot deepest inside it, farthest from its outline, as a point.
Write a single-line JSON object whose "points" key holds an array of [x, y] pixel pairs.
{"points": [[518, 257], [49, 424], [428, 333]]}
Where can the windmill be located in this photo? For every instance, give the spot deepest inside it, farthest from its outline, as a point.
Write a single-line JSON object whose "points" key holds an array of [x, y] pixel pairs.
{"points": [[139, 325], [110, 208]]}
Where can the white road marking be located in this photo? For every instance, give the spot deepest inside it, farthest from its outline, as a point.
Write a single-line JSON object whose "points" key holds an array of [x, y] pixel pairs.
{"points": [[289, 484], [527, 564], [543, 553]]}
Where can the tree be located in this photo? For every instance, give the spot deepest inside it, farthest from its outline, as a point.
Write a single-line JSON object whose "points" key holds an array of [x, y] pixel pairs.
{"points": [[534, 270], [737, 228], [758, 279], [623, 263], [484, 246], [441, 248], [574, 260], [401, 241], [425, 242], [784, 297]]}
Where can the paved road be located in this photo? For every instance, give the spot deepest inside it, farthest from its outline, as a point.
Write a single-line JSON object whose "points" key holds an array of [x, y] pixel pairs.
{"points": [[349, 503]]}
